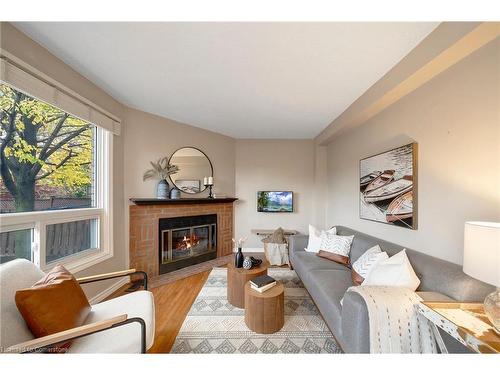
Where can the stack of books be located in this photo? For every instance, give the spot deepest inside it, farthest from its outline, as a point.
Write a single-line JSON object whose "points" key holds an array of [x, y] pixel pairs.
{"points": [[262, 283]]}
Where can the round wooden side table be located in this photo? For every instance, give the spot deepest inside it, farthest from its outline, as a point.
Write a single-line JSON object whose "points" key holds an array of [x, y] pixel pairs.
{"points": [[265, 312], [236, 280]]}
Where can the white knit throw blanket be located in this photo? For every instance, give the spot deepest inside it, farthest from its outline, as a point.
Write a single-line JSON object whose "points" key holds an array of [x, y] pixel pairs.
{"points": [[395, 324]]}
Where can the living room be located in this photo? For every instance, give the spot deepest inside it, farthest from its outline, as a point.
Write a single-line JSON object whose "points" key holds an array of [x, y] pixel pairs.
{"points": [[250, 188]]}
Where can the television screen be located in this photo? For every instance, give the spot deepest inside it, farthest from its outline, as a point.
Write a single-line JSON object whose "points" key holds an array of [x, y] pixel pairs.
{"points": [[275, 201]]}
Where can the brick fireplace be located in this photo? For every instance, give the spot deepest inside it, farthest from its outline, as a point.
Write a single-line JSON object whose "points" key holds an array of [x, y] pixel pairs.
{"points": [[166, 235], [186, 240]]}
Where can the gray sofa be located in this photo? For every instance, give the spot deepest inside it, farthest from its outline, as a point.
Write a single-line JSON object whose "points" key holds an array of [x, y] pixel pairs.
{"points": [[327, 282]]}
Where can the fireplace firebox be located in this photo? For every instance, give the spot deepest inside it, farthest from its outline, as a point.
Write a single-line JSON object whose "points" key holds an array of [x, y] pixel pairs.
{"points": [[187, 240]]}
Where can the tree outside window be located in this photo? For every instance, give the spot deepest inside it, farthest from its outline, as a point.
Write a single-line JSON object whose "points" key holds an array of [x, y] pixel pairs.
{"points": [[46, 156], [47, 162]]}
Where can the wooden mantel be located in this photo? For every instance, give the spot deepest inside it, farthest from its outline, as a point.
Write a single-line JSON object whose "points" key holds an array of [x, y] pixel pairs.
{"points": [[150, 201], [145, 214]]}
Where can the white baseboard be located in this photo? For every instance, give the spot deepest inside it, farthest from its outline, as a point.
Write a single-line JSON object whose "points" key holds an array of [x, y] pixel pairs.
{"points": [[109, 290]]}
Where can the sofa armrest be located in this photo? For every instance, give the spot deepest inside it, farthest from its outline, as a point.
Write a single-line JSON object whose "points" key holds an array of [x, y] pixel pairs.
{"points": [[355, 324], [297, 242]]}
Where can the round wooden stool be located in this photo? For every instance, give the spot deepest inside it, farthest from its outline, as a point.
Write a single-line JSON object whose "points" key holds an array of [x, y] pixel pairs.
{"points": [[265, 312], [236, 280]]}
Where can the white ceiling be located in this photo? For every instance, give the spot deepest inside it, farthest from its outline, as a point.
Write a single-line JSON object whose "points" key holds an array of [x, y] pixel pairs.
{"points": [[245, 80]]}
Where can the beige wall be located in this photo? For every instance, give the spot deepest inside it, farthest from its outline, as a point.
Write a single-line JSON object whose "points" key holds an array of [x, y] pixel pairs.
{"points": [[32, 53], [273, 165], [149, 137], [454, 118]]}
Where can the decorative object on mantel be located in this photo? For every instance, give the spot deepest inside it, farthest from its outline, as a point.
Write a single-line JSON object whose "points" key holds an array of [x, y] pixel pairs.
{"points": [[276, 248], [188, 186], [388, 187], [194, 164], [209, 182], [161, 169], [175, 193], [239, 257], [482, 261]]}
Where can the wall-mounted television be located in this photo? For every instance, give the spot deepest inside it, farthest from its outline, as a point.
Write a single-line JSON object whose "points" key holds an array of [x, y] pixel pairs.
{"points": [[275, 201]]}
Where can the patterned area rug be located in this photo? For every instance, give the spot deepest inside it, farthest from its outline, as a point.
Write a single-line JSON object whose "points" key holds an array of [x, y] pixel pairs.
{"points": [[213, 325]]}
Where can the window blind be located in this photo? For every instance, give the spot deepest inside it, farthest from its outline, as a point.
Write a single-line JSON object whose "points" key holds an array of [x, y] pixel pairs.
{"points": [[54, 94]]}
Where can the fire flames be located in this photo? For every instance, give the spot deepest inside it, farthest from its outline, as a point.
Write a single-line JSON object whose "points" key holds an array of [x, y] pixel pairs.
{"points": [[188, 242]]}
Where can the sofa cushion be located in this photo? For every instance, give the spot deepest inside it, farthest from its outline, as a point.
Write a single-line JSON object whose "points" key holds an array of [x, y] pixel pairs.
{"points": [[306, 261], [14, 275], [53, 304], [124, 339], [327, 288]]}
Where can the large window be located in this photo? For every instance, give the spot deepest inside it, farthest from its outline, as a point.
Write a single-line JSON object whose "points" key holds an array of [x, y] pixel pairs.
{"points": [[54, 184]]}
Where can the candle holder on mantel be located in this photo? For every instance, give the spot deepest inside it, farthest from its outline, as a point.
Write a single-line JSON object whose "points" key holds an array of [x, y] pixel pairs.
{"points": [[209, 183], [209, 186]]}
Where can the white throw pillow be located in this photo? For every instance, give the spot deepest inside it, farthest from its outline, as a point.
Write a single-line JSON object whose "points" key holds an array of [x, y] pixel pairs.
{"points": [[340, 245], [314, 242], [366, 262], [395, 271]]}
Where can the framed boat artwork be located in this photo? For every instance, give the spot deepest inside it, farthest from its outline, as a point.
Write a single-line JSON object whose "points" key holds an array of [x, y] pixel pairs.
{"points": [[388, 187]]}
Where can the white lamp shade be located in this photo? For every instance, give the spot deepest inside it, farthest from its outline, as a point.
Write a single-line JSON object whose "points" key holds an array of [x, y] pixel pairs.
{"points": [[482, 251]]}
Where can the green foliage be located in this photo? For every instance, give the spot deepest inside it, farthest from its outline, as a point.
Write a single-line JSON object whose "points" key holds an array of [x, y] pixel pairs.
{"points": [[42, 144], [262, 199]]}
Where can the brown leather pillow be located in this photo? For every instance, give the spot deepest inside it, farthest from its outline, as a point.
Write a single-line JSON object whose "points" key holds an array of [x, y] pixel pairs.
{"points": [[55, 303], [357, 279], [335, 257]]}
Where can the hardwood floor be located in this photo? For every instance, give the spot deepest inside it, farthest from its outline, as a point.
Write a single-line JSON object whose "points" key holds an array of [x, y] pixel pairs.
{"points": [[172, 303]]}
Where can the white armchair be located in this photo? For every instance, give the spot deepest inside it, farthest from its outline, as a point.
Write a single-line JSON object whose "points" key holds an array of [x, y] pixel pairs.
{"points": [[125, 324]]}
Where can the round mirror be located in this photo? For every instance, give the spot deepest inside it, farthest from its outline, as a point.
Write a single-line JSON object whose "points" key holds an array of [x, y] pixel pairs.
{"points": [[193, 165]]}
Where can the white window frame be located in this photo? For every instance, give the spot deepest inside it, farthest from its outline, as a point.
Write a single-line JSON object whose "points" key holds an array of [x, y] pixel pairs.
{"points": [[103, 213]]}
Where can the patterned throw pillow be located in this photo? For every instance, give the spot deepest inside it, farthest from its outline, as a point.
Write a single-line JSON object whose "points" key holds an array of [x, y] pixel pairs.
{"points": [[365, 263], [314, 243], [335, 247]]}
